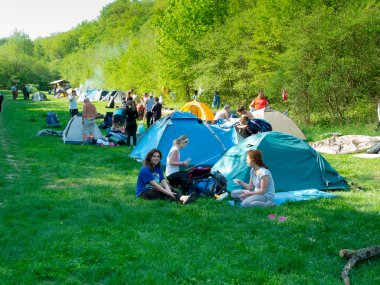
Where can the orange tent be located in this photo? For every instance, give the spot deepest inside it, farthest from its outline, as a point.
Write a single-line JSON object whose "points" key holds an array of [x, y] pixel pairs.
{"points": [[198, 109]]}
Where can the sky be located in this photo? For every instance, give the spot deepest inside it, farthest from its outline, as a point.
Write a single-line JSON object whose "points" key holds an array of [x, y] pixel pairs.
{"points": [[41, 18]]}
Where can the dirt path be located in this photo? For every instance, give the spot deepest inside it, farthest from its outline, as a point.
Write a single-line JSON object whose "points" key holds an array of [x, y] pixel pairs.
{"points": [[11, 167]]}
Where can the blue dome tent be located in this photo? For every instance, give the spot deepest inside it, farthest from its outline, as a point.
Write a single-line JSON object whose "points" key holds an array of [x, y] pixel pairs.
{"points": [[205, 147]]}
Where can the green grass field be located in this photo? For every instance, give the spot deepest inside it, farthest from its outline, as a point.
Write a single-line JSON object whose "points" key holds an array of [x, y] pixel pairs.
{"points": [[69, 216]]}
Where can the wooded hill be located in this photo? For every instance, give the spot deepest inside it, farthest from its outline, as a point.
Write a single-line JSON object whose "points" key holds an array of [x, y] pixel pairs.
{"points": [[325, 53]]}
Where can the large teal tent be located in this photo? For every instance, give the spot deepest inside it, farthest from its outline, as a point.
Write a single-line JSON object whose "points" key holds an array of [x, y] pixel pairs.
{"points": [[293, 163], [207, 145]]}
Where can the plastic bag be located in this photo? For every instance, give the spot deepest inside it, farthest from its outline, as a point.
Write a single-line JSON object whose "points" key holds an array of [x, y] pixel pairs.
{"points": [[140, 129]]}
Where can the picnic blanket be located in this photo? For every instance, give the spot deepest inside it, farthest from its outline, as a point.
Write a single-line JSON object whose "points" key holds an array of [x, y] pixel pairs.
{"points": [[294, 196], [301, 195]]}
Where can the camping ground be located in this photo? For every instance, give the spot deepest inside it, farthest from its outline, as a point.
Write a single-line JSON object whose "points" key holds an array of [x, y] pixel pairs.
{"points": [[69, 216]]}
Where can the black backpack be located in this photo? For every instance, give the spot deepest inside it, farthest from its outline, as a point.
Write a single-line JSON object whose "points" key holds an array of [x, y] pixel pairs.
{"points": [[212, 184]]}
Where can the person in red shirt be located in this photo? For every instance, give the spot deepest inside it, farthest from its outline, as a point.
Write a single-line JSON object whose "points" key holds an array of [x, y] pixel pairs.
{"points": [[259, 102]]}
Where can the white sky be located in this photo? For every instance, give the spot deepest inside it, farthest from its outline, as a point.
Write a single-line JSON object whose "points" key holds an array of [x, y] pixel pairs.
{"points": [[40, 18]]}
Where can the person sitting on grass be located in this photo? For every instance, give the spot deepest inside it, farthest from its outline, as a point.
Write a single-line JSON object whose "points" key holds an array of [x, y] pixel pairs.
{"points": [[175, 176], [151, 183], [260, 191]]}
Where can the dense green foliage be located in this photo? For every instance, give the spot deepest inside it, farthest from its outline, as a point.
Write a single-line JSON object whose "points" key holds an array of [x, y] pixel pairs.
{"points": [[324, 53], [69, 216]]}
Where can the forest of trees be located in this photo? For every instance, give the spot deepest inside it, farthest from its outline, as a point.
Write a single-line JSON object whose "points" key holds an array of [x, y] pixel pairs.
{"points": [[325, 53]]}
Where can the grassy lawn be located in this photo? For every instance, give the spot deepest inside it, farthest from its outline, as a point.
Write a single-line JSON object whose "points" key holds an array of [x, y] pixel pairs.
{"points": [[69, 216]]}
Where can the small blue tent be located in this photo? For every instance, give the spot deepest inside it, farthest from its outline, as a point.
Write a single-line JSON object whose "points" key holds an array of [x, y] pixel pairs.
{"points": [[205, 147], [293, 163]]}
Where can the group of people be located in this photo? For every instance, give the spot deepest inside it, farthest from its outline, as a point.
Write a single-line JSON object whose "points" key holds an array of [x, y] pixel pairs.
{"points": [[247, 125], [25, 91], [259, 191], [125, 117], [152, 108]]}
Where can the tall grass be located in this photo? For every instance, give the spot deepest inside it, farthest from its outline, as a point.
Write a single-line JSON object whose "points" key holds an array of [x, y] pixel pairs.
{"points": [[69, 216]]}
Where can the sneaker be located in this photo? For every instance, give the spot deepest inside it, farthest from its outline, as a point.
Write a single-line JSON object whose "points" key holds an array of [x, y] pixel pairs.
{"points": [[221, 196], [192, 198]]}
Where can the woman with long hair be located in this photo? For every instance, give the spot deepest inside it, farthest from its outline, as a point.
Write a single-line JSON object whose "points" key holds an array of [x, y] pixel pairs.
{"points": [[260, 191], [175, 176], [151, 182]]}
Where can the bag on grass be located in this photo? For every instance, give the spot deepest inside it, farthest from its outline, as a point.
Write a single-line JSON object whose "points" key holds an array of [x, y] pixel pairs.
{"points": [[52, 120], [211, 185]]}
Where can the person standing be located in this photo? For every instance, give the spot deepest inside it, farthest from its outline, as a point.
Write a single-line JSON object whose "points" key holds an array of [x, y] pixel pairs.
{"points": [[195, 95], [130, 122], [156, 110], [259, 102], [1, 100], [73, 105], [148, 107], [216, 100], [88, 119], [14, 91], [24, 92], [260, 191]]}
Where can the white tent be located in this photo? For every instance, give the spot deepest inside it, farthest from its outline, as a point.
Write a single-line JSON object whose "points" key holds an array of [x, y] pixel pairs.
{"points": [[279, 122], [39, 96], [108, 96], [73, 131], [90, 94]]}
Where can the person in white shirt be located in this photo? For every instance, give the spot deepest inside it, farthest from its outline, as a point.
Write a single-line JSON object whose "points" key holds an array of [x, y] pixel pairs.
{"points": [[73, 105], [173, 163], [260, 191], [148, 106]]}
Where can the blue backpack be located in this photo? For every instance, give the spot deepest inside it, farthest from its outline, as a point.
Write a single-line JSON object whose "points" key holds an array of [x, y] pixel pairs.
{"points": [[213, 184]]}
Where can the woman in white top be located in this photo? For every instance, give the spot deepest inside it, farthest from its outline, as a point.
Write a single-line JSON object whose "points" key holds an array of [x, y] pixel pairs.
{"points": [[260, 190], [173, 164]]}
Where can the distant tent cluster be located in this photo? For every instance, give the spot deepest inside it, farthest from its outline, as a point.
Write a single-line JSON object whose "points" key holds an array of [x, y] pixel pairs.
{"points": [[293, 163], [92, 94], [96, 95]]}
